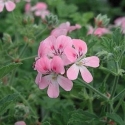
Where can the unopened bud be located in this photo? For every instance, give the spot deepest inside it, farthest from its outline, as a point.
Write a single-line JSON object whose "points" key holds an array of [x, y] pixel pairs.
{"points": [[28, 19], [51, 20], [101, 20], [7, 38], [21, 111]]}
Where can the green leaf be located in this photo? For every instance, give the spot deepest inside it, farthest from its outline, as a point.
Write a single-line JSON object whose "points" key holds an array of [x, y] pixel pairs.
{"points": [[69, 9], [80, 117], [115, 118], [6, 102], [6, 69], [46, 123]]}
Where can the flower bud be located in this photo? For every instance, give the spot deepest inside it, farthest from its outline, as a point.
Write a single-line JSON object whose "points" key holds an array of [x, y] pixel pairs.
{"points": [[101, 20], [28, 19], [21, 111], [7, 38], [52, 20]]}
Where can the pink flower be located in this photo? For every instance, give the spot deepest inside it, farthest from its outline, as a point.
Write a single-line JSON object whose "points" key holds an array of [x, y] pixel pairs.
{"points": [[53, 46], [98, 31], [52, 70], [42, 13], [40, 9], [64, 28], [10, 6], [20, 123], [76, 55], [40, 6], [27, 7], [120, 22]]}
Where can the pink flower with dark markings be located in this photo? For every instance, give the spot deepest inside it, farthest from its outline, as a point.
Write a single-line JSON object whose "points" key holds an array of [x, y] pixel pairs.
{"points": [[76, 55], [52, 70], [64, 29], [53, 46], [9, 5]]}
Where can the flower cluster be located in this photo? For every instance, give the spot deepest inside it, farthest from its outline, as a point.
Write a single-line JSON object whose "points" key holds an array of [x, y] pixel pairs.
{"points": [[39, 9], [59, 61]]}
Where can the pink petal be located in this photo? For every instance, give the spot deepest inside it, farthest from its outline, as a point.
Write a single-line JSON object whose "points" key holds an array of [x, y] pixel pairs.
{"points": [[20, 123], [1, 6], [58, 31], [10, 6], [44, 13], [37, 13], [90, 30], [72, 72], [65, 83], [80, 46], [42, 65], [92, 61], [57, 65], [70, 54], [64, 25], [42, 50], [45, 46], [62, 42], [101, 31], [41, 6], [66, 61], [27, 7], [38, 78], [71, 28], [86, 75], [53, 89], [44, 82]]}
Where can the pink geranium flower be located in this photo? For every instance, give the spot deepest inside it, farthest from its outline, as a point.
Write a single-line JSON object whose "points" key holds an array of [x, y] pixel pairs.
{"points": [[53, 46], [76, 55], [98, 31], [120, 22], [10, 5], [40, 9], [52, 69], [64, 28], [20, 123]]}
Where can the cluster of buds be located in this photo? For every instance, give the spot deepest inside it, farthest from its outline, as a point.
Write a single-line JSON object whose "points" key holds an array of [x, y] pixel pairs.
{"points": [[101, 20]]}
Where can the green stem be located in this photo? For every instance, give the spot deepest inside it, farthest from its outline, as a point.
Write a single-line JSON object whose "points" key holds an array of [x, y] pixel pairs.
{"points": [[119, 95], [40, 32], [93, 89], [115, 82], [24, 100], [107, 70], [118, 105], [23, 50], [31, 57], [12, 77]]}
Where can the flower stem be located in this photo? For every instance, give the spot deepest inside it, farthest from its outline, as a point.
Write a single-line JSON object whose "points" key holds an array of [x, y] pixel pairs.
{"points": [[24, 100], [115, 82], [28, 58], [93, 89]]}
